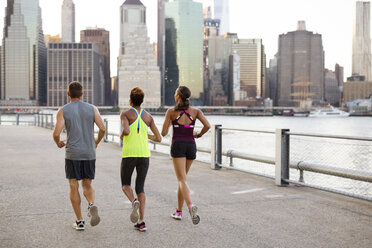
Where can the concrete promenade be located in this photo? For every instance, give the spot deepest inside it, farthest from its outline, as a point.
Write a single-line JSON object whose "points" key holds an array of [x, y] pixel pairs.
{"points": [[236, 209]]}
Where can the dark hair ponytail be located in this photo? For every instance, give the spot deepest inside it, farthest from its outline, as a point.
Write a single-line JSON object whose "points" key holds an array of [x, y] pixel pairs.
{"points": [[184, 93]]}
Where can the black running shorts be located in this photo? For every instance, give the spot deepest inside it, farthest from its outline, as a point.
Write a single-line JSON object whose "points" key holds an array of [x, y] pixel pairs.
{"points": [[80, 169], [181, 149], [127, 168]]}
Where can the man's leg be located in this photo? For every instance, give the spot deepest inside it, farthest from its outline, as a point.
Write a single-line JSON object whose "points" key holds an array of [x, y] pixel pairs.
{"points": [[88, 190], [75, 198]]}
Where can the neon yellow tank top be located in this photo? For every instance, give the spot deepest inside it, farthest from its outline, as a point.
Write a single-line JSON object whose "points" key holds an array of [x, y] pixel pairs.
{"points": [[136, 143]]}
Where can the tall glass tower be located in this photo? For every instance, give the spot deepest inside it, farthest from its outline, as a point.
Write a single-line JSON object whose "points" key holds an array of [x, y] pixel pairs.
{"points": [[184, 25], [68, 21], [362, 40], [23, 25], [222, 12]]}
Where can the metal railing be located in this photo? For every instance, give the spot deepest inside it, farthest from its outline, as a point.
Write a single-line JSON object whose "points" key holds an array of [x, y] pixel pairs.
{"points": [[281, 161], [31, 119]]}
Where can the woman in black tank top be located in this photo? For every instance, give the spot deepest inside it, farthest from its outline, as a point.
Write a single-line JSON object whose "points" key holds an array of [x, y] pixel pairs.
{"points": [[182, 118]]}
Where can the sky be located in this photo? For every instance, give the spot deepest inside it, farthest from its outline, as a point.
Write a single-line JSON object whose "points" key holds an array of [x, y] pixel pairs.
{"points": [[266, 19]]}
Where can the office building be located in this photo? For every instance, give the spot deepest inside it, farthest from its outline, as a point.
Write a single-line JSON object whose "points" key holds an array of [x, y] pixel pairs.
{"points": [[101, 37], [184, 26], [361, 58], [300, 67], [69, 62], [137, 63], [252, 66], [332, 91], [222, 13], [161, 45], [353, 90], [68, 21], [272, 80], [23, 61]]}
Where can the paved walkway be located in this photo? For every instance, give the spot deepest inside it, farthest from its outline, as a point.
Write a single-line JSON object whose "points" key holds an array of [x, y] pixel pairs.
{"points": [[236, 209]]}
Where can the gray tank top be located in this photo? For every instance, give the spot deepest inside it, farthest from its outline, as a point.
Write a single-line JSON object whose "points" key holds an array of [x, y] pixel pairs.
{"points": [[79, 123]]}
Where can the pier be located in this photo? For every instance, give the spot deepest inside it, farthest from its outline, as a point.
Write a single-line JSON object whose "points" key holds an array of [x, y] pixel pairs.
{"points": [[237, 209]]}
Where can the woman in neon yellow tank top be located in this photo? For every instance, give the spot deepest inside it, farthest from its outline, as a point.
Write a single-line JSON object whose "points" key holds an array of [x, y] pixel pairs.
{"points": [[136, 153]]}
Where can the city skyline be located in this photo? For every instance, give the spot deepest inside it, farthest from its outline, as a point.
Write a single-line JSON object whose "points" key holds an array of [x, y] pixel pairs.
{"points": [[259, 22]]}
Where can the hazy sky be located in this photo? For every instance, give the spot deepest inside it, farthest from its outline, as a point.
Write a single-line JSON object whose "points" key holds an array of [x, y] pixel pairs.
{"points": [[249, 18]]}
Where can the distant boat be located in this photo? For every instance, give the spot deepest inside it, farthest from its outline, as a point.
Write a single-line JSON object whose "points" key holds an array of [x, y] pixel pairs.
{"points": [[329, 112]]}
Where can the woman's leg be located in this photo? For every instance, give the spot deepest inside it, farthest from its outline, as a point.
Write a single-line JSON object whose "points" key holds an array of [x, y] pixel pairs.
{"points": [[179, 193], [180, 170]]}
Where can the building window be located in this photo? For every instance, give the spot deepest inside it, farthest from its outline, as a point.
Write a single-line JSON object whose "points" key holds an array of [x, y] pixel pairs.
{"points": [[125, 15]]}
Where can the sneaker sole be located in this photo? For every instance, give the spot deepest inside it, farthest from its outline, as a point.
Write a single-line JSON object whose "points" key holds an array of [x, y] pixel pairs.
{"points": [[195, 218], [94, 219], [134, 214], [78, 228], [176, 217]]}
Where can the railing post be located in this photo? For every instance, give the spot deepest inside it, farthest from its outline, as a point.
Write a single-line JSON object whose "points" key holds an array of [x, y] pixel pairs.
{"points": [[216, 147], [106, 133], [282, 157], [301, 179], [38, 119], [34, 120], [51, 122], [17, 119], [121, 130]]}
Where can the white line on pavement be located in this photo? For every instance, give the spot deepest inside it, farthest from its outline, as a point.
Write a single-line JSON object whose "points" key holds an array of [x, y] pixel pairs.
{"points": [[247, 191]]}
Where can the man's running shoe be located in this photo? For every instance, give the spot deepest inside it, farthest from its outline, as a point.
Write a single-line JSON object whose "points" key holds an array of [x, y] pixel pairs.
{"points": [[134, 214], [195, 218], [93, 215], [79, 225], [177, 215], [141, 226]]}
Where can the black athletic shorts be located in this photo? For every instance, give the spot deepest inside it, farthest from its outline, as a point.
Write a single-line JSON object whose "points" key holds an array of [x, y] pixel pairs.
{"points": [[80, 169], [127, 168], [181, 149]]}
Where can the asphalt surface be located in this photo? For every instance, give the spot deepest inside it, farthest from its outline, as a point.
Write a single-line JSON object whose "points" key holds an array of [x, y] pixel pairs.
{"points": [[236, 209]]}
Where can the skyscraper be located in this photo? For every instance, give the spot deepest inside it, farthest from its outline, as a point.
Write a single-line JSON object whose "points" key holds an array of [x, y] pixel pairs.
{"points": [[161, 44], [184, 26], [222, 12], [23, 46], [68, 21], [137, 62], [361, 64], [74, 62], [101, 37], [300, 67], [252, 66]]}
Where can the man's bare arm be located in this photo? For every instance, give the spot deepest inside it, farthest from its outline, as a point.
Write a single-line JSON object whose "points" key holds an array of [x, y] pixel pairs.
{"points": [[99, 122], [58, 129]]}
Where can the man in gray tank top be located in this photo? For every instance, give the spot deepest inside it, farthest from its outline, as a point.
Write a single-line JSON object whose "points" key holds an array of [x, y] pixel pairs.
{"points": [[78, 118]]}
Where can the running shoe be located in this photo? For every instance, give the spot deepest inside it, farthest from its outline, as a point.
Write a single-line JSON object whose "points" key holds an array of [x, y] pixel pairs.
{"points": [[195, 218], [177, 215], [79, 225], [134, 214], [93, 215], [141, 226]]}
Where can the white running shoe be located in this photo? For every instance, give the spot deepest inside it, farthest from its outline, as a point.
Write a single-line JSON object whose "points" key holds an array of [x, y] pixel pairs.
{"points": [[134, 214], [195, 218], [177, 215], [93, 215], [79, 225]]}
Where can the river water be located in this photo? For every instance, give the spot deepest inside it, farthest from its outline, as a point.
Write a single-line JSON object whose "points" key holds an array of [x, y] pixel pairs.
{"points": [[356, 155]]}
